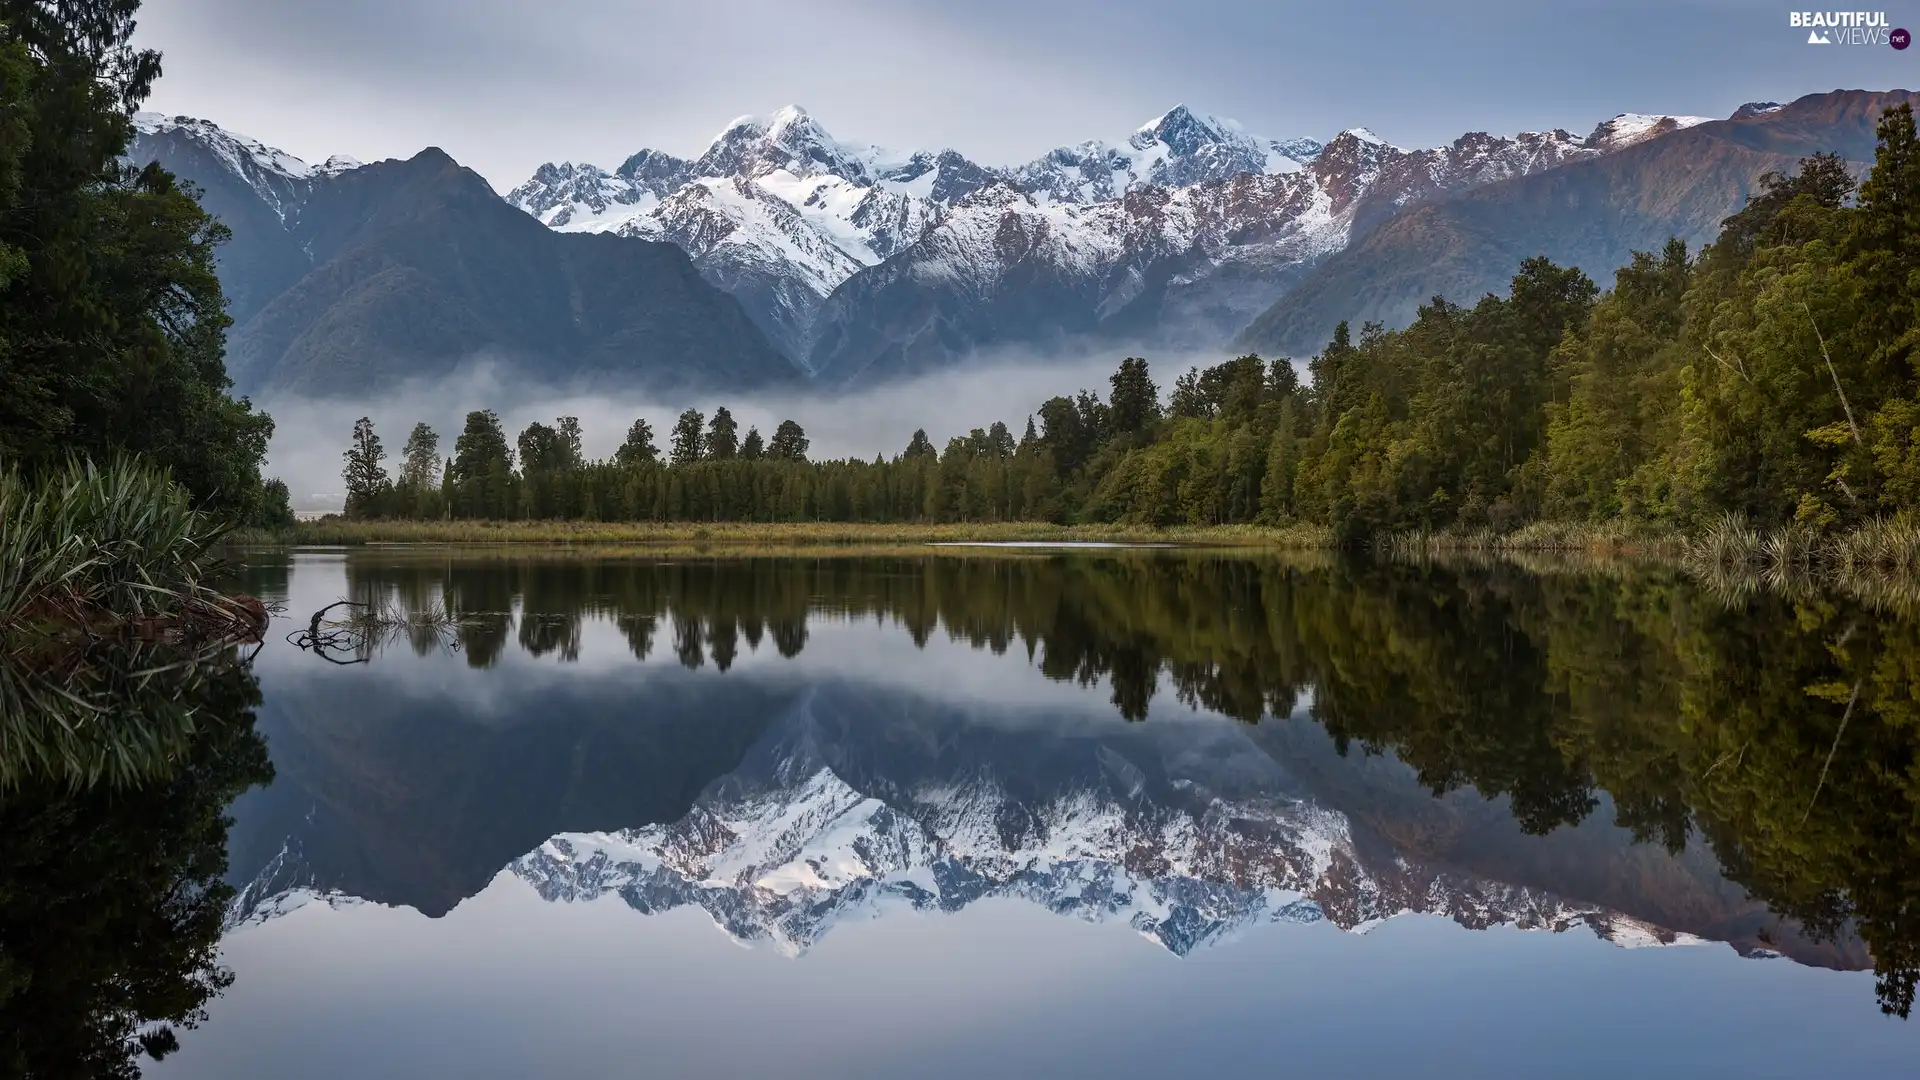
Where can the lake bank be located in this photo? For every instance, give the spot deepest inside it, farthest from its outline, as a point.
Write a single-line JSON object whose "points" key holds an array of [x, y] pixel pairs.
{"points": [[1612, 538], [775, 534]]}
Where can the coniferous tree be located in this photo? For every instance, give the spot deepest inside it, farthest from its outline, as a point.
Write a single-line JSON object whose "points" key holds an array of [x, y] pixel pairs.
{"points": [[1135, 401], [638, 446], [420, 459], [753, 447], [723, 435], [789, 442], [920, 447], [365, 477], [1000, 440], [568, 428], [542, 449], [689, 437], [482, 467]]}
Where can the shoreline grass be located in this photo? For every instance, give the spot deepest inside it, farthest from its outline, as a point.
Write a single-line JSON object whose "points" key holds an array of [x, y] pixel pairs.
{"points": [[777, 535], [1879, 561]]}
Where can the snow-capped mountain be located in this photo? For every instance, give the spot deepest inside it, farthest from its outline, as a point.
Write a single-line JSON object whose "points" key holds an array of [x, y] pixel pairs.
{"points": [[280, 179], [848, 808], [780, 213], [1179, 233], [1176, 149], [1629, 129], [342, 277], [858, 262], [786, 864], [1182, 266]]}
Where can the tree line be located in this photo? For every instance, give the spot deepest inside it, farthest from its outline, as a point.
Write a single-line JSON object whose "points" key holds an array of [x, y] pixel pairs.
{"points": [[1769, 374]]}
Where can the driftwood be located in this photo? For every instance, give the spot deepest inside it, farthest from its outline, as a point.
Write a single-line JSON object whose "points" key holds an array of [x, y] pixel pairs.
{"points": [[324, 639]]}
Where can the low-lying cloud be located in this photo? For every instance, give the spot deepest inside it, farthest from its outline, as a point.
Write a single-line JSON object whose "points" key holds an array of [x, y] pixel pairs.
{"points": [[310, 434]]}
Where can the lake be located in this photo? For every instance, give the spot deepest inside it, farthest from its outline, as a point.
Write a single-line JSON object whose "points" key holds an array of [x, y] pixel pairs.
{"points": [[1027, 812]]}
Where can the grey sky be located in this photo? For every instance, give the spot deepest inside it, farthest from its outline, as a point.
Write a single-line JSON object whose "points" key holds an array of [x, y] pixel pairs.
{"points": [[504, 85]]}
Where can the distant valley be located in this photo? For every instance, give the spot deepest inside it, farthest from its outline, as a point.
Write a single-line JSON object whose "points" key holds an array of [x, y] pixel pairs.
{"points": [[783, 256]]}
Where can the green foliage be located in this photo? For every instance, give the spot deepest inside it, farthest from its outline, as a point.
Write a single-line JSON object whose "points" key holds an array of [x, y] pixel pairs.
{"points": [[689, 437], [789, 442], [112, 323], [366, 478], [108, 622], [723, 436], [88, 541], [638, 446], [480, 476]]}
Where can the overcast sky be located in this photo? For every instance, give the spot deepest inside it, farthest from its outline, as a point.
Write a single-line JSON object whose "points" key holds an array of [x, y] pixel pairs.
{"points": [[504, 85]]}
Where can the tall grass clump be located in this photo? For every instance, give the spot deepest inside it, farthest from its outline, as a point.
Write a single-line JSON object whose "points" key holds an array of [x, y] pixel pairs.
{"points": [[89, 548], [1728, 542], [1886, 546], [1603, 538], [112, 640]]}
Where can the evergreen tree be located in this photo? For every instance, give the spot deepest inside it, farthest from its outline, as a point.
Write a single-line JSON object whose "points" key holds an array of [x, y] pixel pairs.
{"points": [[1000, 440], [1883, 248], [789, 442], [753, 447], [723, 438], [112, 323], [542, 449], [365, 477], [1135, 400], [689, 437], [420, 459], [638, 446], [481, 467], [920, 447], [568, 428]]}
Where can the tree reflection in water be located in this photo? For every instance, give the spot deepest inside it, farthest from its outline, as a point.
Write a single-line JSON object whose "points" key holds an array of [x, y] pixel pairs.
{"points": [[1781, 730], [113, 850]]}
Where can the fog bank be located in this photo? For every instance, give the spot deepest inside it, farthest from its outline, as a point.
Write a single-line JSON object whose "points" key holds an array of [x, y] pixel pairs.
{"points": [[311, 434]]}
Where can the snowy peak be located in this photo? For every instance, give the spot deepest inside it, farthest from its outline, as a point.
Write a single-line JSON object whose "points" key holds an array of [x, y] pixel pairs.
{"points": [[785, 856], [281, 180], [1179, 148], [791, 139], [239, 153], [1630, 129], [1184, 132]]}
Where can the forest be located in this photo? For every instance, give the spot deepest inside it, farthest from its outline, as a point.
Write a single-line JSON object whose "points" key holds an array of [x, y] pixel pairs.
{"points": [[1769, 376]]}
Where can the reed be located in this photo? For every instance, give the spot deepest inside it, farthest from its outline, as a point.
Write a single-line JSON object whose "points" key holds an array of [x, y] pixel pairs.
{"points": [[1618, 537]]}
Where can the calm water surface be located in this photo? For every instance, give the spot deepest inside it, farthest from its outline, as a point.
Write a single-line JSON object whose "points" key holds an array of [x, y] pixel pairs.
{"points": [[1127, 813]]}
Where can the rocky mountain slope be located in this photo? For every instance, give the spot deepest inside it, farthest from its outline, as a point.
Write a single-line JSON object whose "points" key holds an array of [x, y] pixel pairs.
{"points": [[779, 212], [861, 264], [348, 278], [1174, 236], [1592, 213]]}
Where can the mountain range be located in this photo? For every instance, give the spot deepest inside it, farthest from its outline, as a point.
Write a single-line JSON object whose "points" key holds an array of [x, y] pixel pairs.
{"points": [[782, 254]]}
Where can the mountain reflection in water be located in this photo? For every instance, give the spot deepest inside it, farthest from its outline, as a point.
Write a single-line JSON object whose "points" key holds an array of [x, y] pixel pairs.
{"points": [[1189, 745]]}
